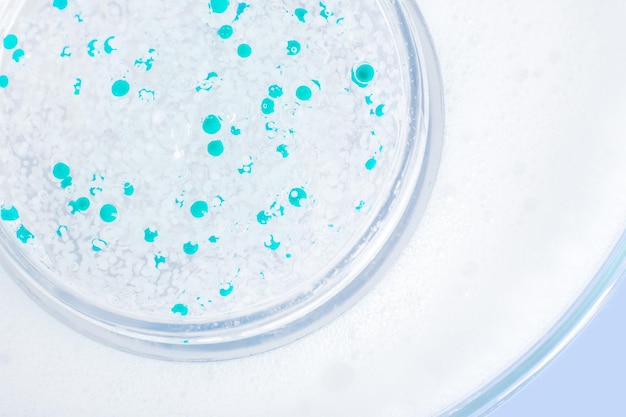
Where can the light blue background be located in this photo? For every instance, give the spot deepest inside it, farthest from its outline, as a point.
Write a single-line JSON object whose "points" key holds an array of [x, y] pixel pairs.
{"points": [[588, 379]]}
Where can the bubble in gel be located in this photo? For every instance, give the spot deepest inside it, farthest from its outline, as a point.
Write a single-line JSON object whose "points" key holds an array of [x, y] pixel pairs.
{"points": [[244, 50], [80, 205], [190, 248], [108, 213], [24, 235], [150, 235], [215, 148], [10, 41], [304, 93], [9, 214], [59, 4], [225, 292], [293, 48], [225, 31], [275, 91], [129, 190], [181, 309], [296, 196], [199, 209], [267, 106], [211, 124], [61, 171], [120, 88], [363, 75], [301, 14], [219, 6]]}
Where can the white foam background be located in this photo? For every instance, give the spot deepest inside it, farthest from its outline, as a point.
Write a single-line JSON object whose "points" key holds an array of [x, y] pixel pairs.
{"points": [[529, 202]]}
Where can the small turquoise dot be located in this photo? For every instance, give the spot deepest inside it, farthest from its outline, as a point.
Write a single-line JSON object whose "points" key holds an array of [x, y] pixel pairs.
{"points": [[225, 31], [10, 41], [108, 213], [61, 171], [4, 81], [211, 124], [304, 93], [120, 88], [371, 164], [216, 148], [199, 209], [219, 6], [244, 50], [363, 75], [267, 106]]}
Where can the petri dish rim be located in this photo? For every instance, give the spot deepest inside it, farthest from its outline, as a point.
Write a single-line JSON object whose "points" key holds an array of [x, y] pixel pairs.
{"points": [[580, 313], [201, 341]]}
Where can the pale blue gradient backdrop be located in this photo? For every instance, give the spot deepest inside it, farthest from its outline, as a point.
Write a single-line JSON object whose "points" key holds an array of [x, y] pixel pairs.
{"points": [[588, 379]]}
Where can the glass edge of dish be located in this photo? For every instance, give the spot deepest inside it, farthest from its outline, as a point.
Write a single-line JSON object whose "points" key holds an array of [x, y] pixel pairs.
{"points": [[567, 328], [114, 335]]}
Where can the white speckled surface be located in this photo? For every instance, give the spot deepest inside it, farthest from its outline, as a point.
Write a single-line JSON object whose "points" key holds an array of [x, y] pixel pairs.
{"points": [[524, 212]]}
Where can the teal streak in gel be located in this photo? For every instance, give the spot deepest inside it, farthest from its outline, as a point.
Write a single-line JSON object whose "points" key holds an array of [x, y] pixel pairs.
{"points": [[61, 229], [225, 31], [199, 209], [304, 93], [191, 248], [77, 86], [149, 235], [181, 309], [120, 88], [24, 235], [18, 54], [219, 6], [267, 106], [371, 164], [296, 196], [59, 4], [4, 81], [10, 41], [61, 171], [108, 213], [273, 244], [9, 214], [244, 50], [80, 205], [215, 148], [225, 292], [211, 124], [214, 239], [241, 8], [380, 110], [300, 14]]}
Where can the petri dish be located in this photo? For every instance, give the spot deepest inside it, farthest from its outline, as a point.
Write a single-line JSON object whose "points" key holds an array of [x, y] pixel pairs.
{"points": [[209, 180], [519, 244]]}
